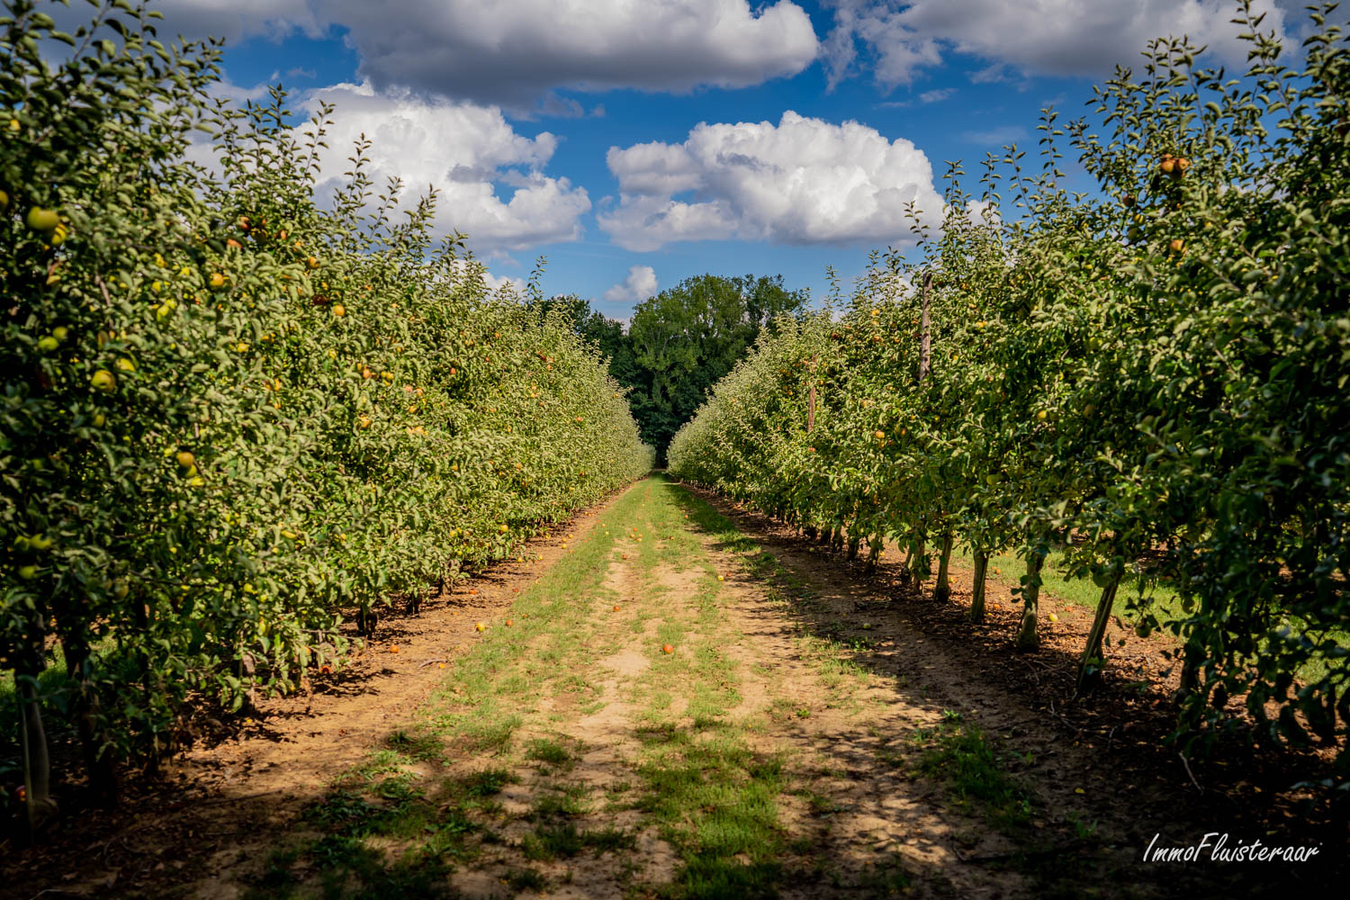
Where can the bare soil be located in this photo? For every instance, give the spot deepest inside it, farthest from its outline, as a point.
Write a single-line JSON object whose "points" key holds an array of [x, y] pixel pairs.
{"points": [[1103, 761], [1101, 780]]}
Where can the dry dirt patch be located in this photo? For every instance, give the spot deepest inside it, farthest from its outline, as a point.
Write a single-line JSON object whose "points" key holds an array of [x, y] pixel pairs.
{"points": [[211, 818]]}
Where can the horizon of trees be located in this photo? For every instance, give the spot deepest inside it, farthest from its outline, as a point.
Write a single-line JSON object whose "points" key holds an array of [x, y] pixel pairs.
{"points": [[679, 342]]}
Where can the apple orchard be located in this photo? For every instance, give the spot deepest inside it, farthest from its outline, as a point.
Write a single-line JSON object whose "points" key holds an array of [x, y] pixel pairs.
{"points": [[234, 419]]}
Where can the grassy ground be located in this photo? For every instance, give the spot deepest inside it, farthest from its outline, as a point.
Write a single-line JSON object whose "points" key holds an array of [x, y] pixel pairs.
{"points": [[1135, 593], [617, 733], [1138, 594]]}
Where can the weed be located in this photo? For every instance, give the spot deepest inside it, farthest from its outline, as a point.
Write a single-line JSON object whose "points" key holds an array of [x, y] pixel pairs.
{"points": [[552, 841], [549, 751], [609, 840], [961, 754], [421, 747], [558, 805], [886, 879], [487, 782], [526, 880], [1082, 829]]}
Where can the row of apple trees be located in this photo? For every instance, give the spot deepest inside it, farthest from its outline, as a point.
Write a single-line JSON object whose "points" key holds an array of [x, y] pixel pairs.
{"points": [[231, 417], [1153, 370]]}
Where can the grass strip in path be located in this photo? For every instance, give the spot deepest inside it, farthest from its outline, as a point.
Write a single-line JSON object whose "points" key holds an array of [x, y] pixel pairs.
{"points": [[650, 719]]}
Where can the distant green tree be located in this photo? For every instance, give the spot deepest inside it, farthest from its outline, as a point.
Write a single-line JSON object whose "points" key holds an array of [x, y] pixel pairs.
{"points": [[570, 306], [680, 342], [687, 337], [617, 347]]}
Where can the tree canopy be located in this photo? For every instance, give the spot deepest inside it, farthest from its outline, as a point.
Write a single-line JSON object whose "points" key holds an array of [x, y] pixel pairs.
{"points": [[680, 342]]}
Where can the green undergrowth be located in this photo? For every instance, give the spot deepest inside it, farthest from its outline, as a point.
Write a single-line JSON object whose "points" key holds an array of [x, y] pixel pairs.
{"points": [[958, 754], [716, 802], [55, 692], [1136, 593], [394, 826]]}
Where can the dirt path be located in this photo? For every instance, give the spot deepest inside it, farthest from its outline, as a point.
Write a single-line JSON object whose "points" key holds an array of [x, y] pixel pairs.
{"points": [[219, 807], [667, 704]]}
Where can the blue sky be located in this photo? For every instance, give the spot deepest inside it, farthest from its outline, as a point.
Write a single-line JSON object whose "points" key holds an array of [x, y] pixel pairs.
{"points": [[638, 142]]}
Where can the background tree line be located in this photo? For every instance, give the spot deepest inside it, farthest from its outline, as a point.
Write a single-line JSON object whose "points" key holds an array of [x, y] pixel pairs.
{"points": [[680, 342]]}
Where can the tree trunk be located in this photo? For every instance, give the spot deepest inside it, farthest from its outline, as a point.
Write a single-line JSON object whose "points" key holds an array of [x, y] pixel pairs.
{"points": [[37, 765], [142, 615], [925, 337], [905, 574], [853, 543], [1090, 666], [810, 532], [1190, 671], [1028, 637], [99, 765], [873, 553], [943, 590], [977, 597]]}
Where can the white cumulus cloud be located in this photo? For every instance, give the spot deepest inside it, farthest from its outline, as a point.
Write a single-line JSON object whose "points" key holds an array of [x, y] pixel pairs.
{"points": [[983, 212], [636, 287], [464, 268], [489, 179], [515, 53], [801, 181], [495, 283], [1033, 37]]}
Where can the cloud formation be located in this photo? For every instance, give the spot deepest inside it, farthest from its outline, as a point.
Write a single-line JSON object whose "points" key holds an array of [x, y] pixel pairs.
{"points": [[235, 20], [495, 283], [636, 287], [515, 54], [802, 181], [901, 38], [489, 179]]}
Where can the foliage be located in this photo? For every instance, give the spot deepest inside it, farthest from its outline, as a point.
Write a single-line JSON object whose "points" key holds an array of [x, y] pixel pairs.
{"points": [[231, 417], [608, 336], [680, 342], [1155, 371], [689, 336]]}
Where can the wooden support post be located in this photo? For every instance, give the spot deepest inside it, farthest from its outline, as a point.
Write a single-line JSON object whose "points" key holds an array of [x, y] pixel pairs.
{"points": [[1092, 662], [925, 335], [1028, 638], [977, 596]]}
